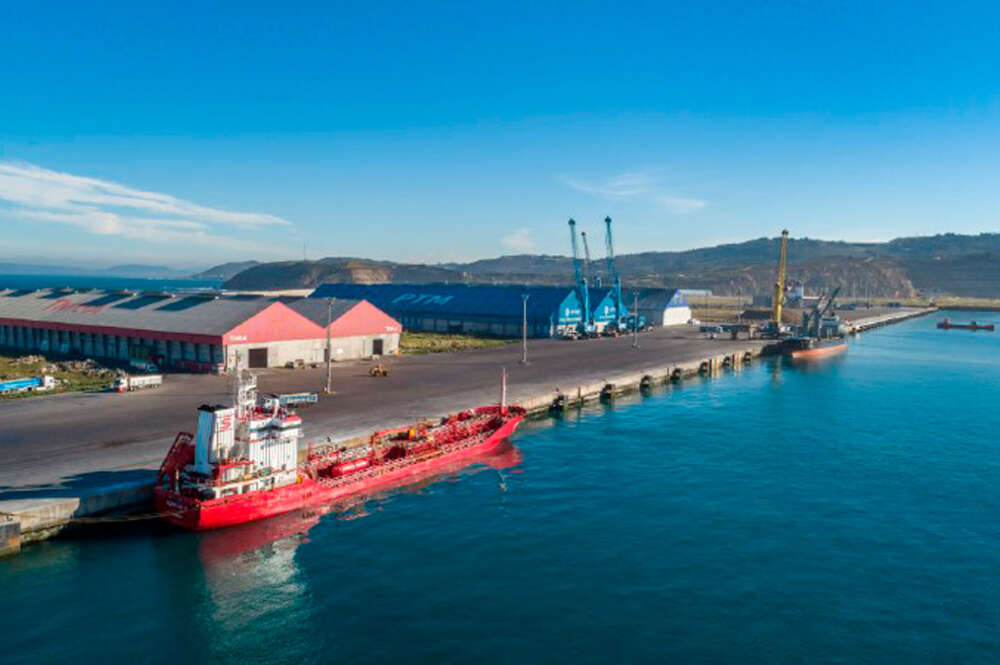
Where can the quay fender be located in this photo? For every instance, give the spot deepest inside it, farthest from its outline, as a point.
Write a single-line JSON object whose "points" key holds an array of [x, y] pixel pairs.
{"points": [[676, 375], [646, 382], [608, 392], [10, 535]]}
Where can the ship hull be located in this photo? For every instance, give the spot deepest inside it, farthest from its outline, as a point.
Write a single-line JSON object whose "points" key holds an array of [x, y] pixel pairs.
{"points": [[198, 515], [966, 326], [818, 352]]}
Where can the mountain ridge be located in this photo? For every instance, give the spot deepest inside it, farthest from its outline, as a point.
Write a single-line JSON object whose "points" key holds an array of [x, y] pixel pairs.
{"points": [[962, 265]]}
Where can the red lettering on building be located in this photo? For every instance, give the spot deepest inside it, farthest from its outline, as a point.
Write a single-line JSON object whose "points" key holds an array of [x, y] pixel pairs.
{"points": [[67, 305]]}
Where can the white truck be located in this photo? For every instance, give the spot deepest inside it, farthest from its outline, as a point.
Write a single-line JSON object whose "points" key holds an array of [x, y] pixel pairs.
{"points": [[143, 365], [127, 384], [289, 400]]}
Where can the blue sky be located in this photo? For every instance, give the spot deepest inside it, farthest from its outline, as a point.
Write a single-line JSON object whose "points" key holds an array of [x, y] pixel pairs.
{"points": [[190, 135]]}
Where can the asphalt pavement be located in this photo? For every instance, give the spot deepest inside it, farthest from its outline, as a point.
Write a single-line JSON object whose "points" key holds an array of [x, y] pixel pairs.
{"points": [[71, 441]]}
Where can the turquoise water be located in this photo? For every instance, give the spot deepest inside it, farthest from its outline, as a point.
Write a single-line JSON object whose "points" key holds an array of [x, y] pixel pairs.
{"points": [[844, 512], [101, 282]]}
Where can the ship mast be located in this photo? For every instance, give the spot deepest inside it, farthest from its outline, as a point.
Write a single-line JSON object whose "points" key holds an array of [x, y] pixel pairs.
{"points": [[246, 394], [503, 391]]}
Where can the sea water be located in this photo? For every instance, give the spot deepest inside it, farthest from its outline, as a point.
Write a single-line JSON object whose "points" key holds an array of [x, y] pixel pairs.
{"points": [[844, 511]]}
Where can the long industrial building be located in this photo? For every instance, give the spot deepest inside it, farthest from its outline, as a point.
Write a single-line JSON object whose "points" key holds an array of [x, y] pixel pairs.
{"points": [[498, 310], [460, 308], [207, 331]]}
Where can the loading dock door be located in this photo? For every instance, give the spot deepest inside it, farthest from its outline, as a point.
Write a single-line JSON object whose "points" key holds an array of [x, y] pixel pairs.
{"points": [[257, 357], [376, 347]]}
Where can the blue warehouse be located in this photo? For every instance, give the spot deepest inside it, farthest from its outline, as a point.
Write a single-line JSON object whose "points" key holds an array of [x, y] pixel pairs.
{"points": [[474, 309]]}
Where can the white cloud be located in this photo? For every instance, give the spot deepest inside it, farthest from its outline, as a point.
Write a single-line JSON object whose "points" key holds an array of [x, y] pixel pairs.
{"points": [[638, 186], [520, 240], [680, 205], [623, 186], [106, 208]]}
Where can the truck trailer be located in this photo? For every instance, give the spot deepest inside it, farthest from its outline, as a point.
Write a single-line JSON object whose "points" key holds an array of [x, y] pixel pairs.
{"points": [[25, 385], [127, 384], [289, 400]]}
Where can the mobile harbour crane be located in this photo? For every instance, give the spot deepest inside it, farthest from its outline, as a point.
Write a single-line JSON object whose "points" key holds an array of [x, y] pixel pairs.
{"points": [[586, 327], [775, 328], [623, 320]]}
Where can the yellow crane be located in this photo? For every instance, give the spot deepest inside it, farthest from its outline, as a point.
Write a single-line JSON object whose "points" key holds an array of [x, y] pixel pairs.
{"points": [[779, 286]]}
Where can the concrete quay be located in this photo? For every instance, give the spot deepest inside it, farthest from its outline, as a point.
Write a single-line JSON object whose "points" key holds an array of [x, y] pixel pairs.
{"points": [[68, 457], [883, 319]]}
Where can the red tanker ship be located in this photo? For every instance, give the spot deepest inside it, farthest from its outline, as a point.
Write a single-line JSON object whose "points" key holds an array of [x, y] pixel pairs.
{"points": [[242, 463]]}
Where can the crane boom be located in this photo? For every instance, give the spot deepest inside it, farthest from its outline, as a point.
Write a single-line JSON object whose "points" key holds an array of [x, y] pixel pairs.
{"points": [[586, 257], [779, 286], [581, 283], [577, 274], [610, 247], [613, 272], [814, 317], [829, 303]]}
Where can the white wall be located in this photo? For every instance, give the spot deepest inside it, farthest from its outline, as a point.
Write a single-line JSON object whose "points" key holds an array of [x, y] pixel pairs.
{"points": [[676, 316], [314, 350], [668, 316]]}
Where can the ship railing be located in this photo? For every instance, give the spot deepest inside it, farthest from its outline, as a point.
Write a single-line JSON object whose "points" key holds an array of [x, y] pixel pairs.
{"points": [[388, 467], [466, 428], [380, 441], [177, 457]]}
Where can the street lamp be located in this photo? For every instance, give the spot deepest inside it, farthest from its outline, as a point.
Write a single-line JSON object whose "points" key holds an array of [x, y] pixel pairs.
{"points": [[635, 319], [329, 347], [524, 328]]}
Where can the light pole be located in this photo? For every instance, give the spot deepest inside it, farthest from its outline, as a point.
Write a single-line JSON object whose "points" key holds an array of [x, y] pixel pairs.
{"points": [[524, 328], [329, 347], [635, 319]]}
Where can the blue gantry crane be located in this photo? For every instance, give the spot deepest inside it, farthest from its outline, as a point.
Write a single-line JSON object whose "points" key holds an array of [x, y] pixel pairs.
{"points": [[616, 281], [583, 293], [623, 320]]}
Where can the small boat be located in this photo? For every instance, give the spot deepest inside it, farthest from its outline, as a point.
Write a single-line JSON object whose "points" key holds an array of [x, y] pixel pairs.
{"points": [[948, 325], [810, 348]]}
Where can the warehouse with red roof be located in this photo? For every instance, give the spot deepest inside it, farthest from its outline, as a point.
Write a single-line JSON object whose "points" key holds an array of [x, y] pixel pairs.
{"points": [[197, 331]]}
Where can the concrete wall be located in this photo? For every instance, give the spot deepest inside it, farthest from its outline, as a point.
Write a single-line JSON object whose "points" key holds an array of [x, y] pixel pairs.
{"points": [[676, 316], [499, 327], [314, 350], [10, 535], [120, 348], [110, 347], [666, 316]]}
